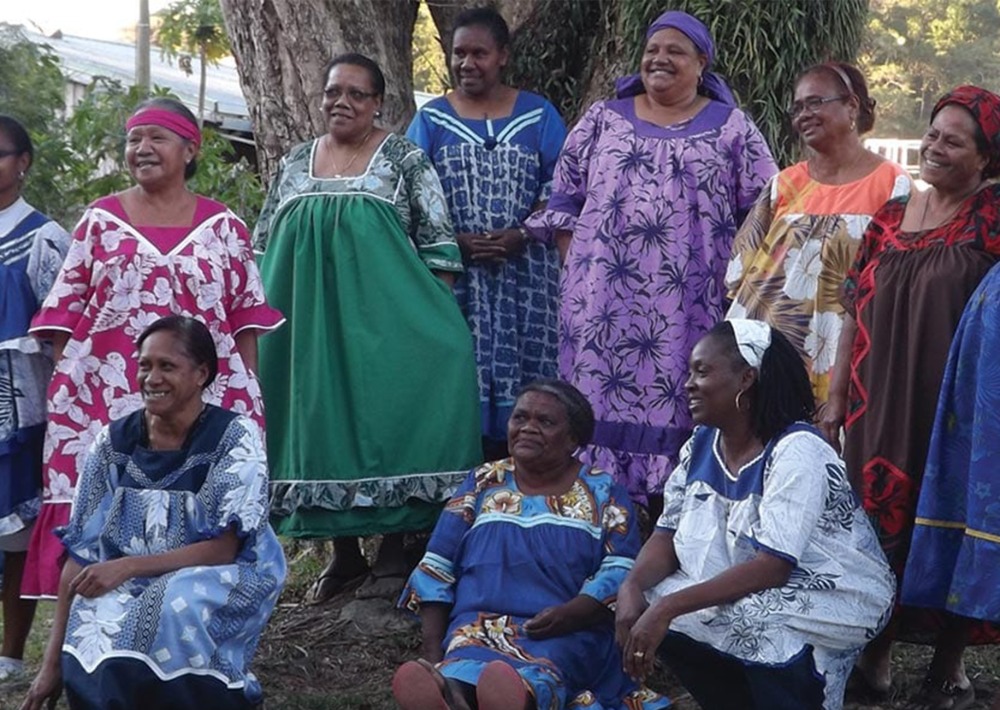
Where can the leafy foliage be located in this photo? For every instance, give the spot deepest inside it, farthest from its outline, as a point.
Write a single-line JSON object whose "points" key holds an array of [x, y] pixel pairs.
{"points": [[429, 71], [190, 26], [916, 50], [761, 48], [82, 157]]}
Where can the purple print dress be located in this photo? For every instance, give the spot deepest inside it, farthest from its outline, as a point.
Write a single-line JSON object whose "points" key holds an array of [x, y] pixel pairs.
{"points": [[653, 213]]}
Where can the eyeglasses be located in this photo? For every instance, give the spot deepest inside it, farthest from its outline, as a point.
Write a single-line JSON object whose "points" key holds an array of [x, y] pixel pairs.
{"points": [[354, 95], [8, 153], [812, 104]]}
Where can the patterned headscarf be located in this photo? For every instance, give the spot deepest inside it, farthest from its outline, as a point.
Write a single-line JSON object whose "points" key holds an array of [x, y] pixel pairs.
{"points": [[712, 85], [985, 109]]}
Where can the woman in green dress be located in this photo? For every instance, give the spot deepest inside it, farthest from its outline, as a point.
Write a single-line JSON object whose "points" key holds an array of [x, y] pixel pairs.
{"points": [[370, 388]]}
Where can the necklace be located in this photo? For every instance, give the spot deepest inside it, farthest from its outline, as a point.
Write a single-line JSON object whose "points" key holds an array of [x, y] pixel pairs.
{"points": [[338, 172], [927, 202]]}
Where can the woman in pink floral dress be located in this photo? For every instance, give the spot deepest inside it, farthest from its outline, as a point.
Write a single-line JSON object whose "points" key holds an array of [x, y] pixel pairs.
{"points": [[149, 251]]}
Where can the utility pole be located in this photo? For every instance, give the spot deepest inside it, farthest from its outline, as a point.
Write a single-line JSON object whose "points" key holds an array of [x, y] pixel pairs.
{"points": [[142, 47]]}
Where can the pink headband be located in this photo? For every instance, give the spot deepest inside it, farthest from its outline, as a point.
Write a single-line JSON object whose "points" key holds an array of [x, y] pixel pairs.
{"points": [[167, 119]]}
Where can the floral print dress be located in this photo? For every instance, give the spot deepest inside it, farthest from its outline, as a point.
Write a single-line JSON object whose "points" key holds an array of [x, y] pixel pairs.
{"points": [[653, 211], [117, 279], [499, 556], [792, 501], [195, 628]]}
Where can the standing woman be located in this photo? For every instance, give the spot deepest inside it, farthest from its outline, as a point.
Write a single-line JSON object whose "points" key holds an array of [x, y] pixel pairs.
{"points": [[153, 250], [372, 386], [32, 247], [495, 149], [793, 252], [920, 260], [648, 193]]}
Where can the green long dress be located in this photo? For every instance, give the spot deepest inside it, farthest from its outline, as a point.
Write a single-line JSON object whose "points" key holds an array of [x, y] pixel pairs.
{"points": [[370, 388]]}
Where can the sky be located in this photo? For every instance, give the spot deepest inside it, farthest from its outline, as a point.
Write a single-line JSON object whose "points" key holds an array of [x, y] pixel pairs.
{"points": [[98, 19]]}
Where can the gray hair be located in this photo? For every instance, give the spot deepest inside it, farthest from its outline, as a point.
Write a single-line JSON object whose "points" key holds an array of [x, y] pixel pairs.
{"points": [[578, 409]]}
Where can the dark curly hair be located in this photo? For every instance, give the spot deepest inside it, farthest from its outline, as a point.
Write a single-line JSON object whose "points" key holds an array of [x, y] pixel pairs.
{"points": [[782, 393], [487, 18]]}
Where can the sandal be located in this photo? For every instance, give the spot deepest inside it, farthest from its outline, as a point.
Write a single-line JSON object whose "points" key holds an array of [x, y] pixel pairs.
{"points": [[388, 587], [330, 584], [500, 687], [944, 695], [417, 685]]}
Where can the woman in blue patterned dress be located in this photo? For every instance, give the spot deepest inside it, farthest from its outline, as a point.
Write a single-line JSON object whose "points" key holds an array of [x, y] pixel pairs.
{"points": [[172, 569], [32, 248], [495, 149], [763, 579], [515, 590]]}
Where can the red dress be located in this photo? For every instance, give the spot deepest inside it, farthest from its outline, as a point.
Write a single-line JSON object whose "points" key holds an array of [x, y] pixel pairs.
{"points": [[907, 292], [117, 279]]}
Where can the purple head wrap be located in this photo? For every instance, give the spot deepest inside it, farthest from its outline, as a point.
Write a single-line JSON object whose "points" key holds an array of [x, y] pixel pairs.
{"points": [[712, 85]]}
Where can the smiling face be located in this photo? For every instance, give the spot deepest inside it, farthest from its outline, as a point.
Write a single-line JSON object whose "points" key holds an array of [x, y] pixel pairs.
{"points": [[538, 432], [714, 381], [350, 102], [830, 122], [156, 155], [949, 155], [671, 65], [12, 164], [476, 60], [170, 381]]}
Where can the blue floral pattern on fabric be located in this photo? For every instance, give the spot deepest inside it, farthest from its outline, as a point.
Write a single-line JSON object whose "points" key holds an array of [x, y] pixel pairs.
{"points": [[196, 621]]}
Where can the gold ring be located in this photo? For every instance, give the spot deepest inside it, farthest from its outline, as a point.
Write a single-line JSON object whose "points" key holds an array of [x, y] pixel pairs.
{"points": [[639, 654]]}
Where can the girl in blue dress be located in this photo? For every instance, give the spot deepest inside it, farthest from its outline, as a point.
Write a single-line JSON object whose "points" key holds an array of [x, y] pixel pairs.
{"points": [[495, 148], [32, 248]]}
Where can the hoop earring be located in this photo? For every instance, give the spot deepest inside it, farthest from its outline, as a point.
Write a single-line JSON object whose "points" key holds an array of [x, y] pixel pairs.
{"points": [[738, 395]]}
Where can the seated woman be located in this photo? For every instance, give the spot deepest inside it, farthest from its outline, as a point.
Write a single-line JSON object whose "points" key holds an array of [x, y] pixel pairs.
{"points": [[172, 569], [515, 589], [763, 578]]}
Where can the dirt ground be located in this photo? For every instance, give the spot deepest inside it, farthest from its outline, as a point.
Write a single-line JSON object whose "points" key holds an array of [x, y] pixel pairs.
{"points": [[341, 655], [312, 658]]}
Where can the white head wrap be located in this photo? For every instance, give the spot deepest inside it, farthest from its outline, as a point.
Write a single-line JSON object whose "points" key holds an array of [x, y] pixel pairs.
{"points": [[753, 337]]}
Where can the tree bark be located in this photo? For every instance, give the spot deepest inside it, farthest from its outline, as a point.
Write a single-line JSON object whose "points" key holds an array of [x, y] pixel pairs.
{"points": [[282, 46]]}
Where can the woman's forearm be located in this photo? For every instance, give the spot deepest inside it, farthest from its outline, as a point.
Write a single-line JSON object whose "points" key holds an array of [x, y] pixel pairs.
{"points": [[656, 560], [562, 239], [447, 276], [840, 375], [60, 618], [220, 550], [764, 571], [246, 344]]}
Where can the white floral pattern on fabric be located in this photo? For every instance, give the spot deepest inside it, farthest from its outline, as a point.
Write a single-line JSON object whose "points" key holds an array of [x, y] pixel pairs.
{"points": [[133, 501], [793, 501]]}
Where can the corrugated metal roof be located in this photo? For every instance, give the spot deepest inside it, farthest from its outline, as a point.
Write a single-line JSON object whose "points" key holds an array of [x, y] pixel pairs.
{"points": [[83, 59]]}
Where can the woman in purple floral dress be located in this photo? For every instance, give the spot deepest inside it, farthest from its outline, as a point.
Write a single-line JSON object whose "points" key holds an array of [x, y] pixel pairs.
{"points": [[648, 193]]}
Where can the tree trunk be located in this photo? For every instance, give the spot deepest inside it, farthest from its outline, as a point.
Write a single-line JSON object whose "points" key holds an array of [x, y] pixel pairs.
{"points": [[282, 46], [201, 85]]}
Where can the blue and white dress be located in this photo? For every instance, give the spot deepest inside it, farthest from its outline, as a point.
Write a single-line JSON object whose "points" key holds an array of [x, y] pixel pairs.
{"points": [[494, 172], [793, 501], [498, 557], [32, 248], [192, 632]]}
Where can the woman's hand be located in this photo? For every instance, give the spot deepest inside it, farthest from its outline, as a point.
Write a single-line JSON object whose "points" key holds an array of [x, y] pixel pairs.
{"points": [[830, 419], [580, 612], [45, 688], [562, 239], [101, 577], [646, 635], [629, 607], [491, 247]]}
